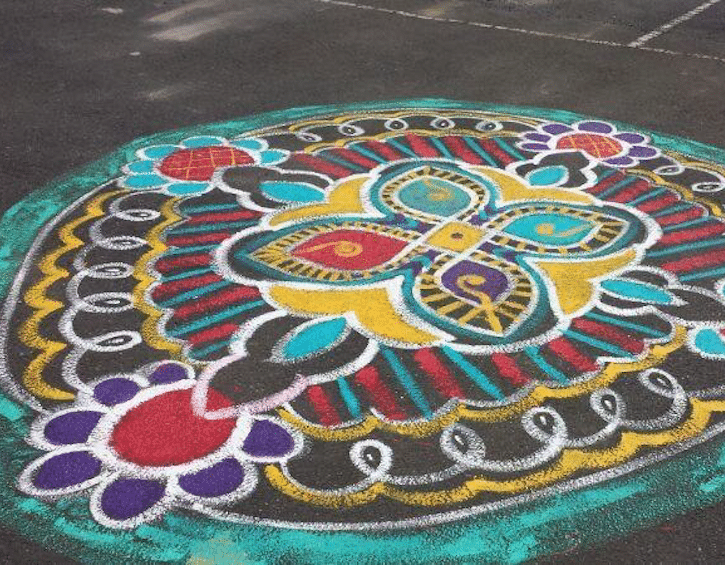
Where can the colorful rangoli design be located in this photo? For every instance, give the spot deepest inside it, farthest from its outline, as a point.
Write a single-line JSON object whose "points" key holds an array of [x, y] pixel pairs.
{"points": [[369, 319]]}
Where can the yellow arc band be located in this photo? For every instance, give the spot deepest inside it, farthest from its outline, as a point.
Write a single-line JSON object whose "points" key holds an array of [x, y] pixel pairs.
{"points": [[36, 298], [43, 306], [570, 461]]}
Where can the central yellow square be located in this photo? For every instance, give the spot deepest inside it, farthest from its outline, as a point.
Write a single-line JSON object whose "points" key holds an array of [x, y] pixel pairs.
{"points": [[456, 236]]}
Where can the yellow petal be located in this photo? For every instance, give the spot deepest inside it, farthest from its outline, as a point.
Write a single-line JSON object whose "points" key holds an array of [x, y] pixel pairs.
{"points": [[573, 280]]}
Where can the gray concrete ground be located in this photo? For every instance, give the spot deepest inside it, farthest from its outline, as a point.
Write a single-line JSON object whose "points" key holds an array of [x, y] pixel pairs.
{"points": [[81, 77]]}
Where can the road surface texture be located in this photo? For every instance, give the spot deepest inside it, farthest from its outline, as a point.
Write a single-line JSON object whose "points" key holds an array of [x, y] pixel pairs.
{"points": [[82, 78]]}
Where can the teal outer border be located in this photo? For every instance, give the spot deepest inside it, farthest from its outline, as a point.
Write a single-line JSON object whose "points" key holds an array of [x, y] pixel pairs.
{"points": [[543, 526]]}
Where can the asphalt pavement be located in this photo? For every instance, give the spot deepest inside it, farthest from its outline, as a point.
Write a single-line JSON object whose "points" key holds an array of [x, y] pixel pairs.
{"points": [[82, 77]]}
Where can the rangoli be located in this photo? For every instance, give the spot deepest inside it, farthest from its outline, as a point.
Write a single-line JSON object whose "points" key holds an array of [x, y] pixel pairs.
{"points": [[372, 318]]}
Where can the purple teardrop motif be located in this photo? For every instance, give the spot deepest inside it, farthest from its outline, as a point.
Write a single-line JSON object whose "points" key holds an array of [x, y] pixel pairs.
{"points": [[642, 152], [267, 439], [595, 127], [71, 427], [115, 391], [631, 137], [534, 146], [127, 498], [556, 129], [620, 161], [537, 137], [168, 373], [217, 480], [66, 469]]}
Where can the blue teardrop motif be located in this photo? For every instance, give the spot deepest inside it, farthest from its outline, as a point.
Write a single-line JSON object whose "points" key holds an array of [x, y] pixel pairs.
{"points": [[314, 338], [272, 156], [147, 180], [550, 228], [633, 290], [710, 341], [146, 166], [291, 191], [181, 188], [248, 144], [158, 151], [547, 176], [201, 141]]}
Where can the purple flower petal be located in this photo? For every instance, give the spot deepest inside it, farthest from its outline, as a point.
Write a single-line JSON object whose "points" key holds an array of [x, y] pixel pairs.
{"points": [[596, 127], [620, 161], [534, 146], [642, 152], [556, 129], [537, 136], [127, 498], [631, 137], [168, 373], [217, 480], [71, 427], [66, 469], [267, 439], [115, 391]]}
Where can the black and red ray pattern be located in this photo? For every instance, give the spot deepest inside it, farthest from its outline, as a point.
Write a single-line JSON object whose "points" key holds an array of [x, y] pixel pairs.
{"points": [[442, 378], [678, 249], [207, 309], [363, 156]]}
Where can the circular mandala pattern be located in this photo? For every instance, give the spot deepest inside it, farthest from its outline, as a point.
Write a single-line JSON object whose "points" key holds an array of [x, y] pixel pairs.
{"points": [[372, 318]]}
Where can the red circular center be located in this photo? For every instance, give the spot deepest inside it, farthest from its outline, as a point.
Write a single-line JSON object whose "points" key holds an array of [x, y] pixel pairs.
{"points": [[200, 163], [598, 146], [164, 431]]}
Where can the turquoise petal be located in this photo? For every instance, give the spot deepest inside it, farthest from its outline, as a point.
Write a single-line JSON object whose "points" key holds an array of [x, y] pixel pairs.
{"points": [[251, 144], [547, 176], [141, 166], [550, 229], [291, 191], [180, 188], [202, 141], [433, 195], [314, 339], [144, 181], [709, 341], [632, 290], [158, 151], [273, 156]]}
